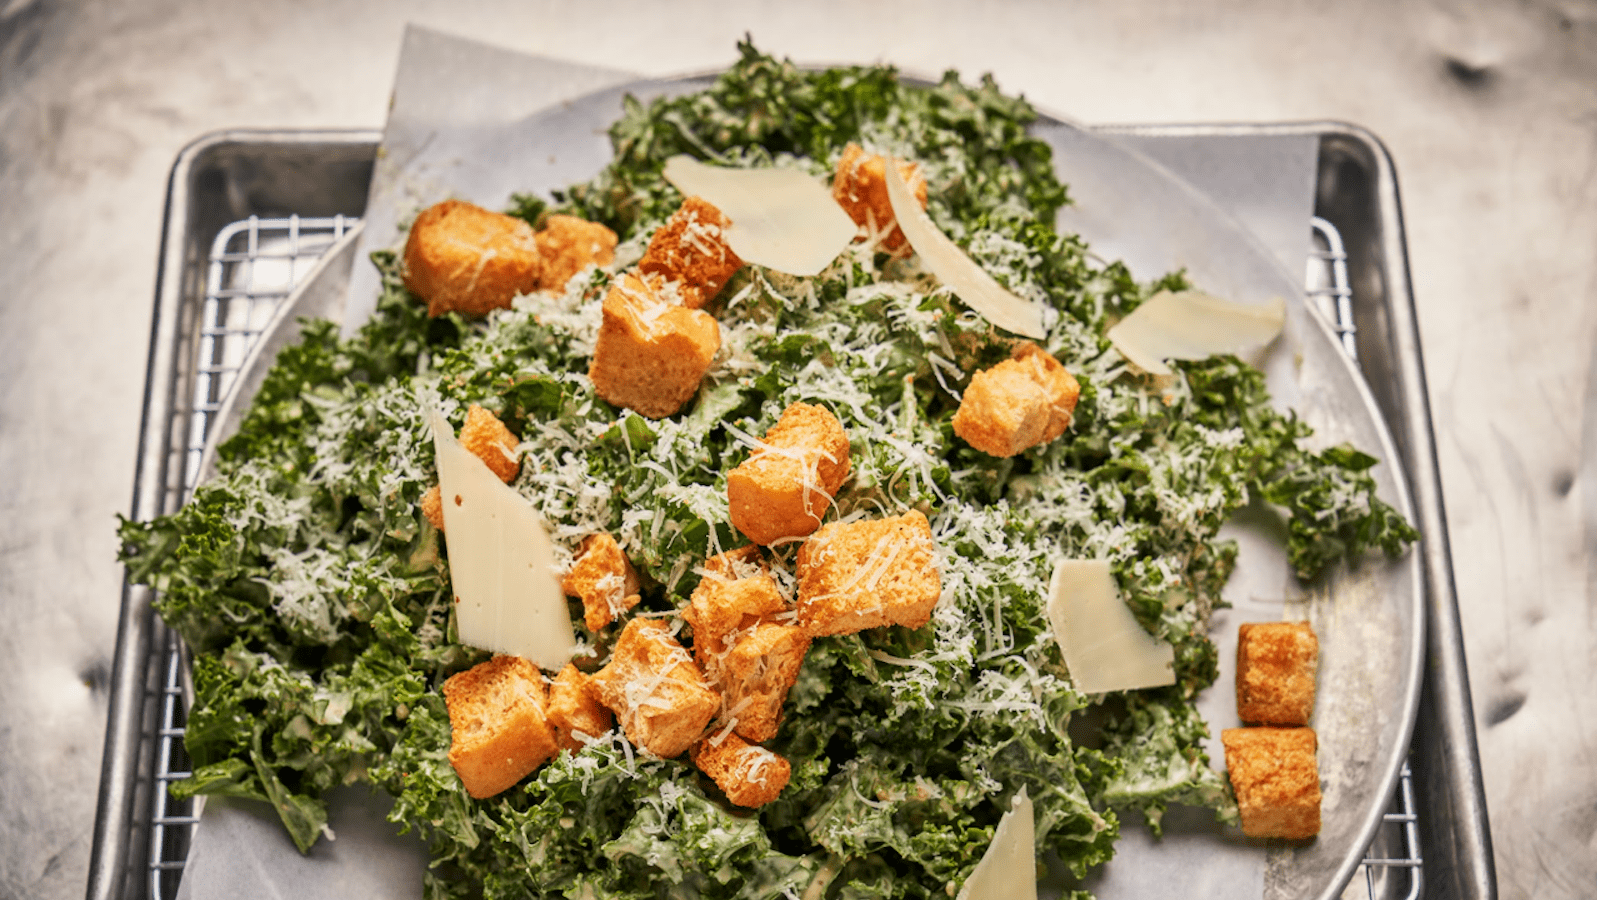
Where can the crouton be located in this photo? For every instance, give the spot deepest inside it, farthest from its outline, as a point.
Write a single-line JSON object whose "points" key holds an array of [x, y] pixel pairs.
{"points": [[490, 441], [651, 353], [574, 709], [860, 186], [1276, 778], [604, 579], [721, 608], [750, 776], [744, 562], [432, 506], [462, 258], [1062, 388], [655, 690], [689, 249], [568, 245], [498, 732], [1276, 663], [858, 575], [1021, 402], [787, 484], [758, 673]]}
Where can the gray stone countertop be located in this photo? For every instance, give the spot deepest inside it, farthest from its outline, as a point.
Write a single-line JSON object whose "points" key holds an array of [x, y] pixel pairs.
{"points": [[1489, 110]]}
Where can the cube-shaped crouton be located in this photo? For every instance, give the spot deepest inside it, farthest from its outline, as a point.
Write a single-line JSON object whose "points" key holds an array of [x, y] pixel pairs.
{"points": [[860, 186], [690, 250], [655, 690], [490, 441], [651, 352], [574, 709], [1276, 778], [1003, 411], [1021, 402], [757, 675], [721, 609], [604, 579], [432, 506], [786, 485], [498, 731], [462, 258], [866, 574], [569, 245], [750, 776], [744, 562], [1062, 388], [1276, 665]]}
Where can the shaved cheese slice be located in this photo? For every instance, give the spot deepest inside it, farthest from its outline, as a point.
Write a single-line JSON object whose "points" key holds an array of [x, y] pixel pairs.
{"points": [[943, 258], [1008, 870], [782, 219], [1104, 646], [1193, 325], [501, 562]]}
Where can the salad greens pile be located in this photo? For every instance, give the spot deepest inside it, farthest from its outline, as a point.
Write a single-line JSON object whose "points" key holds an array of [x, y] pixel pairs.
{"points": [[315, 595]]}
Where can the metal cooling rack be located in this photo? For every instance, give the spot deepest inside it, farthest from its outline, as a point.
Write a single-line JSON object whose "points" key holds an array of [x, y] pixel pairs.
{"points": [[253, 266]]}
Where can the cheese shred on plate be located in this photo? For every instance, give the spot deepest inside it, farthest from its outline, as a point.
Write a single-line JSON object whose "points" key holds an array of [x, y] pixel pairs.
{"points": [[502, 565], [1192, 325], [782, 219]]}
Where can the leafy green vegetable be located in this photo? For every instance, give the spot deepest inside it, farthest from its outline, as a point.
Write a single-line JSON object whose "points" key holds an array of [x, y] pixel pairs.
{"points": [[315, 594]]}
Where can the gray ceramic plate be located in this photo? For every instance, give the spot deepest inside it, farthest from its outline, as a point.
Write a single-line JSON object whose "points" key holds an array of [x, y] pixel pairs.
{"points": [[1370, 620]]}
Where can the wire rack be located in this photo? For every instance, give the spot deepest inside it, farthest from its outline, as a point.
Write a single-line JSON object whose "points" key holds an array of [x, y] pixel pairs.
{"points": [[252, 267], [255, 263]]}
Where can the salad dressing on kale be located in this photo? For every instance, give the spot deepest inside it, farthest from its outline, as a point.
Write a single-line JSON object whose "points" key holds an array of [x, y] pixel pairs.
{"points": [[315, 595]]}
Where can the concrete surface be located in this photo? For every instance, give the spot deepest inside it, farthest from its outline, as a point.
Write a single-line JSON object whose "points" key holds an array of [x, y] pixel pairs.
{"points": [[1489, 109]]}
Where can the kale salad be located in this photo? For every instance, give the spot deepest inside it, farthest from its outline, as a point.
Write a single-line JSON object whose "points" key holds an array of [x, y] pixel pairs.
{"points": [[315, 595]]}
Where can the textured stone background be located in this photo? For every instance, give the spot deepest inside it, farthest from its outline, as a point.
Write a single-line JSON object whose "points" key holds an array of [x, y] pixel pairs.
{"points": [[1489, 109]]}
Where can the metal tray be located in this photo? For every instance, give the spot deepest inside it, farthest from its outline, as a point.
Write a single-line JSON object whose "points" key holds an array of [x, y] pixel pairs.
{"points": [[237, 199]]}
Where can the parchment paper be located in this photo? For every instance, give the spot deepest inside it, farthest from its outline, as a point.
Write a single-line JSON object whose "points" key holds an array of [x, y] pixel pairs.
{"points": [[452, 99]]}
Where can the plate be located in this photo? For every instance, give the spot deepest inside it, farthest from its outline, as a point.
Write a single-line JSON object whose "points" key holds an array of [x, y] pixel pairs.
{"points": [[1369, 620]]}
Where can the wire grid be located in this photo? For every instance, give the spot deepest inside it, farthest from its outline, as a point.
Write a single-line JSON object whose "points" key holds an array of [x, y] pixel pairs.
{"points": [[1395, 852], [255, 263], [252, 267]]}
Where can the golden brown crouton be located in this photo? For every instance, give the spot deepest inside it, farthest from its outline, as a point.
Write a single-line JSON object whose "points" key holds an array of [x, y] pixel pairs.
{"points": [[860, 186], [656, 691], [1276, 663], [750, 776], [784, 488], [568, 245], [758, 673], [651, 352], [1021, 402], [575, 710], [744, 562], [689, 249], [432, 506], [462, 258], [858, 575], [1003, 411], [1062, 387], [498, 730], [721, 608], [605, 580], [1276, 779], [490, 441]]}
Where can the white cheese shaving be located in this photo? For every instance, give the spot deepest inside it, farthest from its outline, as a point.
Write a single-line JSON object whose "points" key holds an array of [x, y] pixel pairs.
{"points": [[501, 561], [969, 281], [1193, 325], [1008, 870], [782, 219], [1104, 646]]}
